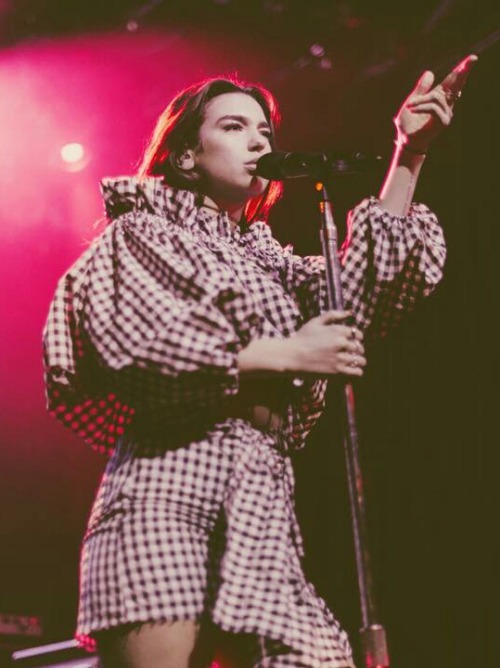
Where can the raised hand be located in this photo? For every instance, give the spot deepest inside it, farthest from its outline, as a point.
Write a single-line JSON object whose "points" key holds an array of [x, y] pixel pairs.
{"points": [[429, 108]]}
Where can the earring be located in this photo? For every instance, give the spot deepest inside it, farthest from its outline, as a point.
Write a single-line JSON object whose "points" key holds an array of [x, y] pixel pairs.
{"points": [[181, 162]]}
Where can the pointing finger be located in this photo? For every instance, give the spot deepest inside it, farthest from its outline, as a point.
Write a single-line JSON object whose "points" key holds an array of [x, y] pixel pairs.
{"points": [[454, 82]]}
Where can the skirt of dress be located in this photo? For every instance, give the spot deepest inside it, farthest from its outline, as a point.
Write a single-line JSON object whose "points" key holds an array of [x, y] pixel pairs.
{"points": [[205, 530]]}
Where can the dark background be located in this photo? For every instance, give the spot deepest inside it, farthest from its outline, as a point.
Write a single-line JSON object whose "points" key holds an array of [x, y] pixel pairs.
{"points": [[100, 74]]}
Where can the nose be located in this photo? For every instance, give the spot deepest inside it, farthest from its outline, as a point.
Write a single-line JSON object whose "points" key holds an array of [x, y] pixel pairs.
{"points": [[258, 142]]}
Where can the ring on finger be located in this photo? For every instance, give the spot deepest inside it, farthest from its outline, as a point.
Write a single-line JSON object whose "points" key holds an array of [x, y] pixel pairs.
{"points": [[451, 96]]}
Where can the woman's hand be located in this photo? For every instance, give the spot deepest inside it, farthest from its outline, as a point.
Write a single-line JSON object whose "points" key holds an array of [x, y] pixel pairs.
{"points": [[326, 346], [428, 108], [425, 112], [323, 346]]}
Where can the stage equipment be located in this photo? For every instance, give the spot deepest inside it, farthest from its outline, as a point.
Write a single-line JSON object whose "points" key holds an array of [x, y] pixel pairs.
{"points": [[65, 654]]}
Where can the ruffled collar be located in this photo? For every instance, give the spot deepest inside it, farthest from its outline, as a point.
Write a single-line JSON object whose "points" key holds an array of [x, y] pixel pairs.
{"points": [[124, 194]]}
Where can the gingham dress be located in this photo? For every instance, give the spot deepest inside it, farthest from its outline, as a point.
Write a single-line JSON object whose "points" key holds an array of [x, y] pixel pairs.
{"points": [[194, 517]]}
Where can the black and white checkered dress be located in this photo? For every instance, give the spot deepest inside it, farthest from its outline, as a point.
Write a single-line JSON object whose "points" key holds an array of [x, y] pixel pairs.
{"points": [[194, 516]]}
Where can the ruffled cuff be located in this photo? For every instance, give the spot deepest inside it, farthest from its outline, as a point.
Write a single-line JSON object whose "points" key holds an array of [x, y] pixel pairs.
{"points": [[389, 263]]}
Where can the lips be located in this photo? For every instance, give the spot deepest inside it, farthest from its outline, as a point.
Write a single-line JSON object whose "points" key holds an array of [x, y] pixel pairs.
{"points": [[251, 166]]}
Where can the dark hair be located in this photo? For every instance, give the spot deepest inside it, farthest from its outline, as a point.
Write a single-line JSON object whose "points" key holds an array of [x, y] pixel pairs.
{"points": [[178, 128]]}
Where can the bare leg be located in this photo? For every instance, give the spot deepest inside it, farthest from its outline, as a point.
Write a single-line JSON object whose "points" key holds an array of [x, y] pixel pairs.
{"points": [[155, 645], [189, 645]]}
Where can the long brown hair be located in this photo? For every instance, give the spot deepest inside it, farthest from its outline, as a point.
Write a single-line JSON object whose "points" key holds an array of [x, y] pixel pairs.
{"points": [[178, 128]]}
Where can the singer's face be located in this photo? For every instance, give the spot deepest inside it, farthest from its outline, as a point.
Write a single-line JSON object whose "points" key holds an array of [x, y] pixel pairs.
{"points": [[233, 136]]}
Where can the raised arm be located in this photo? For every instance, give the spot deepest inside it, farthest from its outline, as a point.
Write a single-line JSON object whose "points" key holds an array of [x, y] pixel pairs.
{"points": [[424, 113]]}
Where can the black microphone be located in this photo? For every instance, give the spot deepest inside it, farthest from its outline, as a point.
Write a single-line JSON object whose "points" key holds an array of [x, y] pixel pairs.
{"points": [[280, 165]]}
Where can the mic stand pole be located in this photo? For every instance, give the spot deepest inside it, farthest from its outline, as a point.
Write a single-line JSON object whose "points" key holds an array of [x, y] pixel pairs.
{"points": [[372, 633]]}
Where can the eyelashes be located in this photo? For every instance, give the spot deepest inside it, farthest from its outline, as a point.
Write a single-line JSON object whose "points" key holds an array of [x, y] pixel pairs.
{"points": [[233, 126], [237, 126]]}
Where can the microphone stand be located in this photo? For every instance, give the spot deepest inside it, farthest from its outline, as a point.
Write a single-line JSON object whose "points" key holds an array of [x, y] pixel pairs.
{"points": [[372, 633], [280, 165]]}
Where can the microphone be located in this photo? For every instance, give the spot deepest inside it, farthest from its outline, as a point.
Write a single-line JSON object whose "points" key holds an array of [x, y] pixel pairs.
{"points": [[279, 165]]}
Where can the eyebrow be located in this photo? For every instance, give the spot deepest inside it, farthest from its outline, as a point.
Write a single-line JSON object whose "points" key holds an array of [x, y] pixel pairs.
{"points": [[242, 119]]}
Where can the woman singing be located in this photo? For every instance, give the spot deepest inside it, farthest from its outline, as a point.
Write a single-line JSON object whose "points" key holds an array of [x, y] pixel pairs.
{"points": [[173, 344]]}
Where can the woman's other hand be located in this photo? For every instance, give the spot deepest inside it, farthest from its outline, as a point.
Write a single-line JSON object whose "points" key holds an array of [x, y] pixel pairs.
{"points": [[326, 346], [323, 346]]}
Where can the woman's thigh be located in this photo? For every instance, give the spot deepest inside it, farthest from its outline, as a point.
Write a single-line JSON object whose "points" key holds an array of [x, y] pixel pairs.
{"points": [[183, 644], [190, 645]]}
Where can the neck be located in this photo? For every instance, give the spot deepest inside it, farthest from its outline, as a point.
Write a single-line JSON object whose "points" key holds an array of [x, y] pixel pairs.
{"points": [[235, 211]]}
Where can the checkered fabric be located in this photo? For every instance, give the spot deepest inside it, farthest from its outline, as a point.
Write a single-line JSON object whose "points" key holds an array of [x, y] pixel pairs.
{"points": [[195, 515], [208, 528], [146, 327]]}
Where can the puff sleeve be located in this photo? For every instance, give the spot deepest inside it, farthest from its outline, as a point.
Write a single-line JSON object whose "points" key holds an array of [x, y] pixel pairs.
{"points": [[144, 323], [388, 264]]}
